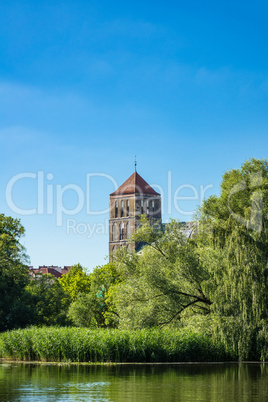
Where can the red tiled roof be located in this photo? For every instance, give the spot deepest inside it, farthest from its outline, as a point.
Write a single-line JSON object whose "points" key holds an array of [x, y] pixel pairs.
{"points": [[135, 184], [56, 271]]}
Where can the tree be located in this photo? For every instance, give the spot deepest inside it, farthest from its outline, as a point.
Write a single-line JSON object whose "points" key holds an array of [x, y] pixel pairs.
{"points": [[163, 282], [93, 308], [75, 281], [49, 302], [14, 275], [234, 243], [103, 279], [85, 311], [222, 272]]}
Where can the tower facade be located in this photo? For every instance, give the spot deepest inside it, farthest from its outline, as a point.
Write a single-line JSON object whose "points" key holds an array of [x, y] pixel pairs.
{"points": [[132, 199]]}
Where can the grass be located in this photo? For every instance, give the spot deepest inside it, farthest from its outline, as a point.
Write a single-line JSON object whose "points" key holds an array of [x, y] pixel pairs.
{"points": [[109, 345]]}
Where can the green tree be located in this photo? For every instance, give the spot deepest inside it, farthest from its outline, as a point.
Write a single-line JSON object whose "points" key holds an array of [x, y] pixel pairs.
{"points": [[48, 300], [14, 275], [93, 308], [85, 311], [103, 279], [75, 281], [163, 282], [233, 239]]}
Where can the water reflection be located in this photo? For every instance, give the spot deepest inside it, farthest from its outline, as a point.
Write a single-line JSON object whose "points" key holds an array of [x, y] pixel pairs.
{"points": [[157, 383]]}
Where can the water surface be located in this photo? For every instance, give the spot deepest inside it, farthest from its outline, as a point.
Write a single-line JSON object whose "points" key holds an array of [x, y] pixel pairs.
{"points": [[155, 383]]}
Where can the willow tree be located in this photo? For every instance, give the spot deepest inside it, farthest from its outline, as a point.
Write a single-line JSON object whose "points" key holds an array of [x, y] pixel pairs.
{"points": [[233, 235], [163, 282]]}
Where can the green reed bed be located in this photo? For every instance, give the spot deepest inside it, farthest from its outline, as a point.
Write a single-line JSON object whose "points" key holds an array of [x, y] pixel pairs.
{"points": [[109, 345]]}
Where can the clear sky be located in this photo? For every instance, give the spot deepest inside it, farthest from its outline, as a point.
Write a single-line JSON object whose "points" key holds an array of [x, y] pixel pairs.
{"points": [[87, 85]]}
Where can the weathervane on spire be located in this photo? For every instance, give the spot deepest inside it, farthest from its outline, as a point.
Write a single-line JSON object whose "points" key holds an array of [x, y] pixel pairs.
{"points": [[135, 163]]}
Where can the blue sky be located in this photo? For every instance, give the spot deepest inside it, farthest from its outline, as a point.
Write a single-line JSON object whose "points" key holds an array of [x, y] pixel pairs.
{"points": [[86, 85]]}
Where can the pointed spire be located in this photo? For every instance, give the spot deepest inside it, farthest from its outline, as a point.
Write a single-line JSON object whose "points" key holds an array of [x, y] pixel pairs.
{"points": [[135, 164]]}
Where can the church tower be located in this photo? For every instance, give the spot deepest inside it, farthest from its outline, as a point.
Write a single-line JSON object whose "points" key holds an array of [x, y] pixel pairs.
{"points": [[132, 199]]}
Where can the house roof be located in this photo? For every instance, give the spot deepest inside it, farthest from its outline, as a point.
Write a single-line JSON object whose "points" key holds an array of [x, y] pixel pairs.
{"points": [[135, 184]]}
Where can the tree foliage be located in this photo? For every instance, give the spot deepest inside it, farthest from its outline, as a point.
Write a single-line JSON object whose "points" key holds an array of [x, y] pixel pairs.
{"points": [[49, 302], [234, 242], [92, 308], [162, 282], [14, 275], [76, 281], [86, 311]]}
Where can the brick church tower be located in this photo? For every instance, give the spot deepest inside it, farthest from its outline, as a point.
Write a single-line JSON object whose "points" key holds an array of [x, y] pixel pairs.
{"points": [[132, 199]]}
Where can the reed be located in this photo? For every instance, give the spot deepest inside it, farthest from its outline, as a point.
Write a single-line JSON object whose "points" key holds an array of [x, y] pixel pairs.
{"points": [[71, 344]]}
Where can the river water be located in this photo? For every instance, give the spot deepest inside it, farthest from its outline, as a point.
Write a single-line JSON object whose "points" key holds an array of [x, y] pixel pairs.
{"points": [[154, 383]]}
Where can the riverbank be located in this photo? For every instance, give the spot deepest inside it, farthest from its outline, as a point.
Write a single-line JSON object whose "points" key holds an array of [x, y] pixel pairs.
{"points": [[51, 344], [5, 361]]}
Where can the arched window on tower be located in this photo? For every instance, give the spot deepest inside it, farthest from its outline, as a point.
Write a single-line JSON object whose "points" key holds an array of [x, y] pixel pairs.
{"points": [[153, 208], [147, 207], [127, 207], [121, 231], [141, 206], [122, 208], [116, 209], [128, 230]]}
